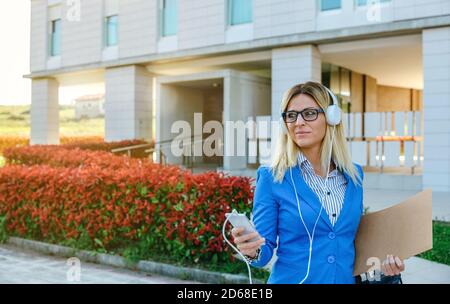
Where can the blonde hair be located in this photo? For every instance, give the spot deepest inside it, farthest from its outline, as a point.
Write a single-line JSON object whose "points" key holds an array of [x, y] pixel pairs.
{"points": [[286, 154]]}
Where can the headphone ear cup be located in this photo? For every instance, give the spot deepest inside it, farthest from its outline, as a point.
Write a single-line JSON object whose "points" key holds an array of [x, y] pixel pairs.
{"points": [[283, 126], [333, 115]]}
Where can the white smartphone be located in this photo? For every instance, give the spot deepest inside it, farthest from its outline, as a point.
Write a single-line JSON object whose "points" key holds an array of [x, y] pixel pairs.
{"points": [[240, 220]]}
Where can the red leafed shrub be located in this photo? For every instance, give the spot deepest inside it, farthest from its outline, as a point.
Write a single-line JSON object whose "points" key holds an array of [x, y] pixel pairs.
{"points": [[92, 143], [12, 141], [136, 208], [97, 143], [57, 156]]}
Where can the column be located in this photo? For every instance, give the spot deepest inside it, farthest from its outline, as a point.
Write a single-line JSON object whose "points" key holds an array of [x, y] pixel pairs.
{"points": [[44, 112], [291, 66], [436, 68], [128, 103]]}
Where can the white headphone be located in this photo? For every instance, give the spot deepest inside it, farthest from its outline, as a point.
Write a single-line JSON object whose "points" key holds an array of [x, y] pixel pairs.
{"points": [[333, 113]]}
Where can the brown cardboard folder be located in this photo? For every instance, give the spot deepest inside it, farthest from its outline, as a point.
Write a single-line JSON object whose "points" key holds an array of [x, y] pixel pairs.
{"points": [[403, 230]]}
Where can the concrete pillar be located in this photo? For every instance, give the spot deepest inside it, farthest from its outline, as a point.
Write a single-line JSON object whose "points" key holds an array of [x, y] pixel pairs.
{"points": [[291, 66], [245, 96], [44, 112], [128, 103], [436, 67]]}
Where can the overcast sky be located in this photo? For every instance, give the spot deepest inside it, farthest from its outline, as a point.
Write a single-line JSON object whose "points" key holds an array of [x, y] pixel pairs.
{"points": [[14, 51]]}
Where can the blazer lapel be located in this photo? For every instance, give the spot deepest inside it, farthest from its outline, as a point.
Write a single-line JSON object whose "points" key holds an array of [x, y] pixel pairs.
{"points": [[306, 194]]}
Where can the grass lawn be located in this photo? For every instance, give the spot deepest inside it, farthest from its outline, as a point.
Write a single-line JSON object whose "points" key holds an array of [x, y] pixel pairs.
{"points": [[441, 244], [15, 121]]}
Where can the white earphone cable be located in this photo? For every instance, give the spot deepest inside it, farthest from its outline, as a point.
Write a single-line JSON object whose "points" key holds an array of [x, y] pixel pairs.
{"points": [[237, 250], [311, 235]]}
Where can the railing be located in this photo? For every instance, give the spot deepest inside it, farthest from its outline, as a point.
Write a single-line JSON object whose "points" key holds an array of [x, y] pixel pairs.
{"points": [[254, 161], [129, 150], [407, 162], [372, 139], [188, 156]]}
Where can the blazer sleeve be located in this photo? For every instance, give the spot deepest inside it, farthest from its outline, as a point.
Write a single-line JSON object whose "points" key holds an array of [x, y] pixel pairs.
{"points": [[265, 215]]}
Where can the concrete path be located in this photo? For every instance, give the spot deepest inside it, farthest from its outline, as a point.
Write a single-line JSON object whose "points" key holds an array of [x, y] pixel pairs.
{"points": [[19, 266], [421, 271]]}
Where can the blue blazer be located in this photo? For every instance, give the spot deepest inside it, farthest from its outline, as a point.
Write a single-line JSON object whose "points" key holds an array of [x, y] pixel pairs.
{"points": [[275, 214]]}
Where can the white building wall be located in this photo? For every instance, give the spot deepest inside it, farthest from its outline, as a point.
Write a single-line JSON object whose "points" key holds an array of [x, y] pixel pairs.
{"points": [[177, 104], [201, 23], [38, 43], [291, 66], [82, 41], [138, 27], [245, 96], [436, 64], [128, 103], [411, 9], [44, 112], [283, 17]]}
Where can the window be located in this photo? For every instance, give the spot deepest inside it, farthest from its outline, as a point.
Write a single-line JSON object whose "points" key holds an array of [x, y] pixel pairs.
{"points": [[55, 48], [326, 5], [365, 2], [111, 30], [239, 11], [169, 17]]}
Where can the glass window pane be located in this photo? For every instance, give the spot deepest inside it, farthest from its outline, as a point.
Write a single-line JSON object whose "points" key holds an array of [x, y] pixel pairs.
{"points": [[170, 17], [56, 38], [326, 5], [370, 2], [111, 30], [240, 11]]}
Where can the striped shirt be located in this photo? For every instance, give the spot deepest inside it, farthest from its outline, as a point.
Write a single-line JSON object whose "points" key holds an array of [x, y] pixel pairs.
{"points": [[331, 197]]}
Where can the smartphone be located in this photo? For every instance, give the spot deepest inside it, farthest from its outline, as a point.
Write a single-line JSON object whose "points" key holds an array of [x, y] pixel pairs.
{"points": [[240, 220]]}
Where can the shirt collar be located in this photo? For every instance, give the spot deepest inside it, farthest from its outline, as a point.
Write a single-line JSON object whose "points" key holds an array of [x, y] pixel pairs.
{"points": [[306, 164]]}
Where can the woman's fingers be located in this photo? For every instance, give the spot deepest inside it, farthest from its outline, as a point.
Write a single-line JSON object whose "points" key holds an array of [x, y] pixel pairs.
{"points": [[244, 238], [386, 267], [392, 265], [251, 246], [399, 263], [242, 241], [236, 231]]}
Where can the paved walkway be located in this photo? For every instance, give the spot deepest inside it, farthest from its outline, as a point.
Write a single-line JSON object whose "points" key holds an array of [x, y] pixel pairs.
{"points": [[421, 271], [19, 266]]}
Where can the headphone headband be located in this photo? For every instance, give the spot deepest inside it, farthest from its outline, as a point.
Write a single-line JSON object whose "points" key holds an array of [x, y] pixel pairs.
{"points": [[333, 97]]}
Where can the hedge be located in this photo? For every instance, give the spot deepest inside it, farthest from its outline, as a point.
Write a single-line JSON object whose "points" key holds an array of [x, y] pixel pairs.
{"points": [[114, 204], [92, 143]]}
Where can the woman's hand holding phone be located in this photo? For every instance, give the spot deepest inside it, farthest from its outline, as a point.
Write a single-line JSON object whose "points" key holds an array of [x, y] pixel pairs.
{"points": [[243, 243]]}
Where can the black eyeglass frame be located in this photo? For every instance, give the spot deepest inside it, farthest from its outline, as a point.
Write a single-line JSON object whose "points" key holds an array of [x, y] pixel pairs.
{"points": [[284, 114]]}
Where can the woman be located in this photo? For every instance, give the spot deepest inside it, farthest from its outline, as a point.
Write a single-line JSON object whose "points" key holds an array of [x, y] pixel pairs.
{"points": [[314, 215]]}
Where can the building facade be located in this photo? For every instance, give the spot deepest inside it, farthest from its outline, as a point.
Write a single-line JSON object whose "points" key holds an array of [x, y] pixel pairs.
{"points": [[162, 61]]}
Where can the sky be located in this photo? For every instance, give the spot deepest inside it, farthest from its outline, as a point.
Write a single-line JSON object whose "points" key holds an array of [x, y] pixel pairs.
{"points": [[15, 59], [15, 52]]}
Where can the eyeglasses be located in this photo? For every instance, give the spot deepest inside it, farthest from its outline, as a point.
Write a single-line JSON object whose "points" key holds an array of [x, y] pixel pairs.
{"points": [[307, 115]]}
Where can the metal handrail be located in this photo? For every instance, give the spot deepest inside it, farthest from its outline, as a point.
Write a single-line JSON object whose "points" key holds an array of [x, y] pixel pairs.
{"points": [[129, 148]]}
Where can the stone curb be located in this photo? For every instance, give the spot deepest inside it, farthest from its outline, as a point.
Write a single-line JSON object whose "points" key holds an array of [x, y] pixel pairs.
{"points": [[178, 272]]}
